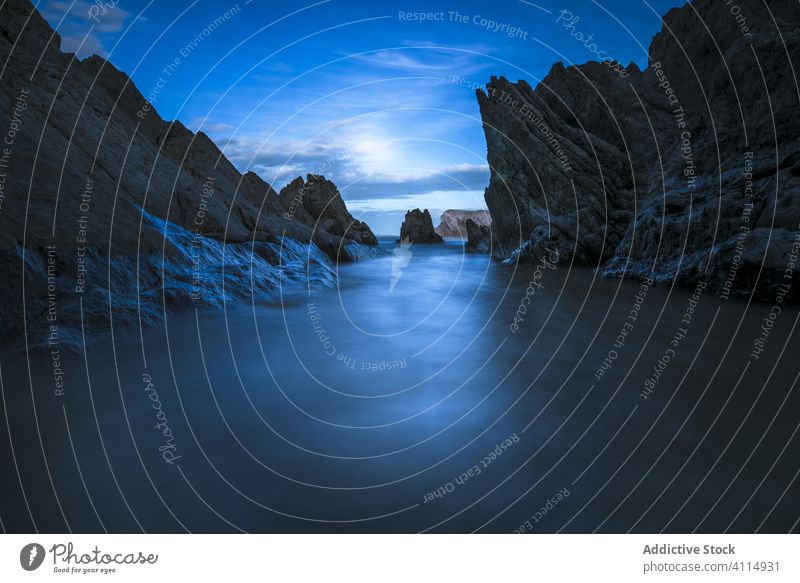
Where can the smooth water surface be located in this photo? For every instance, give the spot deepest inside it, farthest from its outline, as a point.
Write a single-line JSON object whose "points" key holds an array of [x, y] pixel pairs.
{"points": [[406, 399]]}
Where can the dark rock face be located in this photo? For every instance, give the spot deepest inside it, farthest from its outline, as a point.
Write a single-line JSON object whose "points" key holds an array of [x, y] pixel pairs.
{"points": [[453, 223], [418, 228], [94, 176], [479, 237], [665, 171], [325, 209]]}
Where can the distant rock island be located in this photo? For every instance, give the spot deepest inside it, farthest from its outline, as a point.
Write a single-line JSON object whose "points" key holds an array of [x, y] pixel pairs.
{"points": [[453, 223], [686, 172], [106, 205], [418, 228]]}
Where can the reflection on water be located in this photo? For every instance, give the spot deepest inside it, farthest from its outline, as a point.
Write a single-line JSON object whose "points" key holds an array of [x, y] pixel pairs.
{"points": [[418, 406]]}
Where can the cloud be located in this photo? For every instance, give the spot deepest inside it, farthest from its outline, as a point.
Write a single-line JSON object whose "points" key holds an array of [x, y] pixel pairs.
{"points": [[394, 59], [385, 124], [427, 58], [343, 162], [84, 26], [280, 162], [456, 171], [435, 201], [209, 127], [400, 183]]}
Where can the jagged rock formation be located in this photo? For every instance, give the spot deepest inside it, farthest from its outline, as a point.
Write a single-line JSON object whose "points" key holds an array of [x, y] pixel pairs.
{"points": [[95, 185], [686, 171], [453, 223], [418, 228], [324, 209], [479, 237]]}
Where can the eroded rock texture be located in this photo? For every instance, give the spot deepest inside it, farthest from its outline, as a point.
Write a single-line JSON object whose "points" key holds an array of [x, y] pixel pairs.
{"points": [[323, 209], [686, 171], [104, 199], [418, 228], [479, 237], [453, 223]]}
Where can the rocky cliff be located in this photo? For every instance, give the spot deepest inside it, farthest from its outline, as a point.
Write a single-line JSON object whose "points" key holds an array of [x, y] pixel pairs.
{"points": [[453, 223], [418, 228], [688, 170], [479, 237], [104, 202]]}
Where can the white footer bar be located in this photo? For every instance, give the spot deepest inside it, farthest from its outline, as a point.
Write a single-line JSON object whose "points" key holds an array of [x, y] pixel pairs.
{"points": [[401, 558]]}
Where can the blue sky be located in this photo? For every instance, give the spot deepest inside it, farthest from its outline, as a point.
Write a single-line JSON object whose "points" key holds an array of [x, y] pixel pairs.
{"points": [[366, 93]]}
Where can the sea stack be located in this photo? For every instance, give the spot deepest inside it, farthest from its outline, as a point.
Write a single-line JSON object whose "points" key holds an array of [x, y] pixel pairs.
{"points": [[418, 228]]}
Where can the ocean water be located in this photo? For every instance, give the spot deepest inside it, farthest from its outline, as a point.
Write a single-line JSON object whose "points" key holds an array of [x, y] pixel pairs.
{"points": [[428, 390]]}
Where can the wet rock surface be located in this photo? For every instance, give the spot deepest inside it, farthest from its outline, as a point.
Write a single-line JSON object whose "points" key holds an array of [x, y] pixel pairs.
{"points": [[679, 172]]}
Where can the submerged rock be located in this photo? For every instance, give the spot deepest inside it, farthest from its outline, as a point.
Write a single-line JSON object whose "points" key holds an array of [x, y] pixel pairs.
{"points": [[453, 223], [418, 228], [662, 172]]}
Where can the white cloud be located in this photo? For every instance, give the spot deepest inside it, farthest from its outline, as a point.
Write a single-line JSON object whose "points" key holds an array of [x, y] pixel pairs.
{"points": [[83, 25], [436, 202], [422, 174]]}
